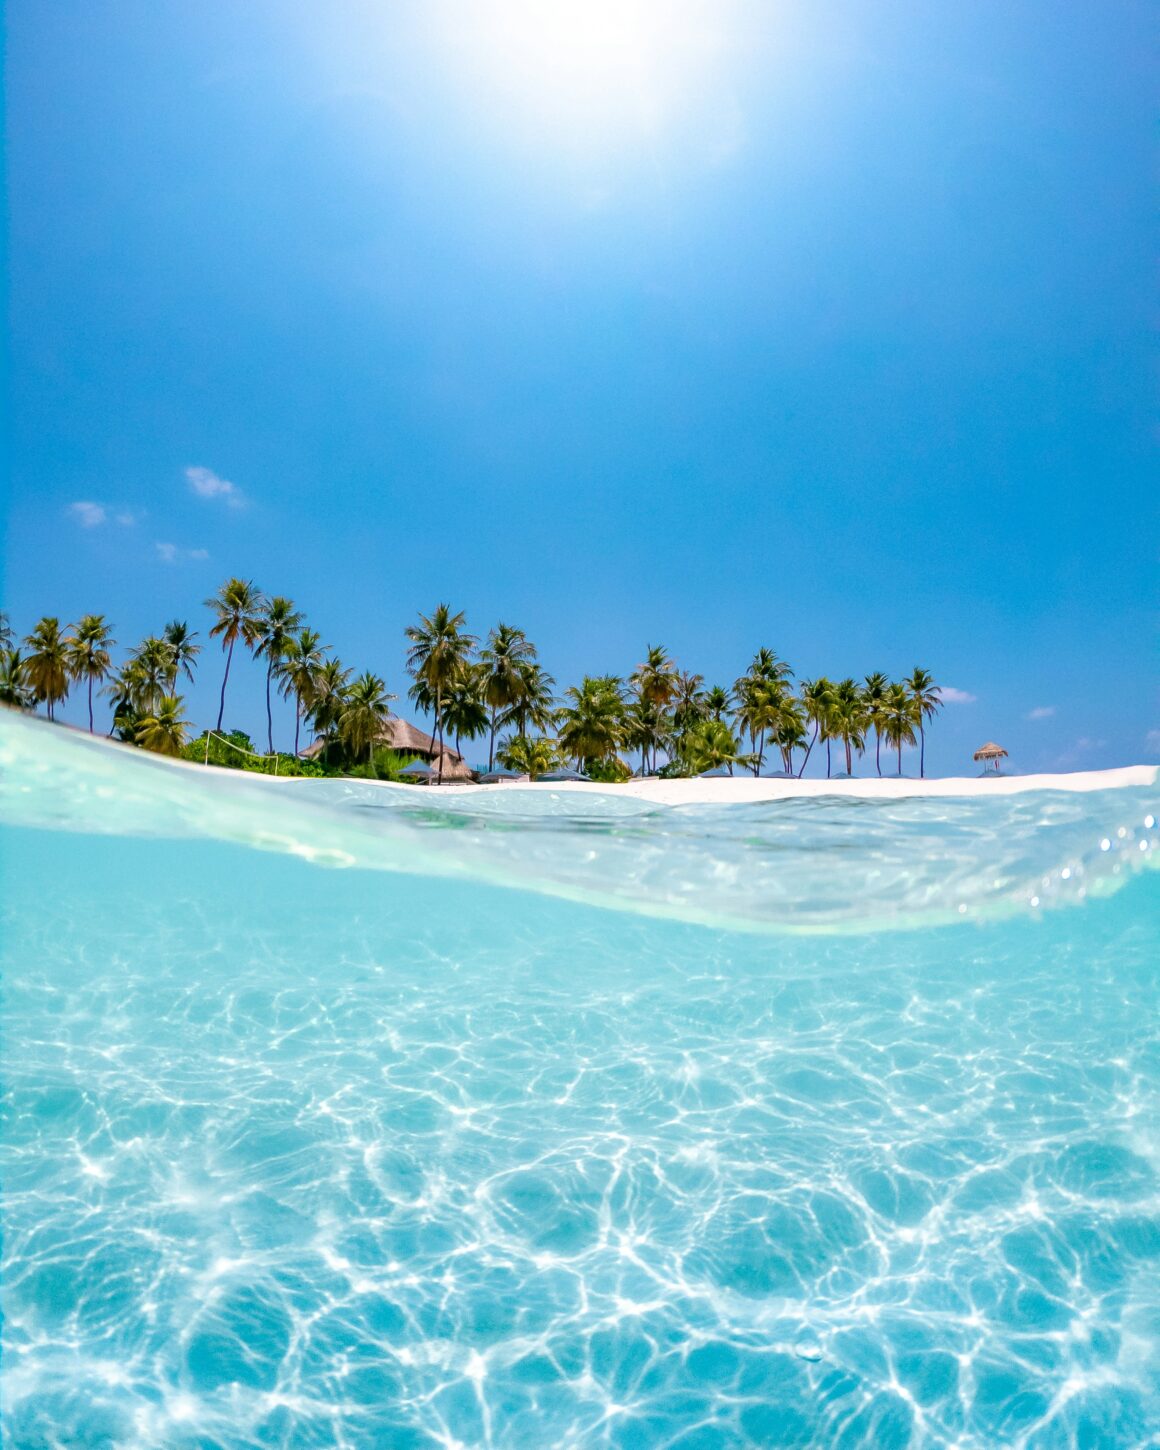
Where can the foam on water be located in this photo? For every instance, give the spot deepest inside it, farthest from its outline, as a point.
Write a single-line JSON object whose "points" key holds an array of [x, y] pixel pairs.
{"points": [[393, 1157]]}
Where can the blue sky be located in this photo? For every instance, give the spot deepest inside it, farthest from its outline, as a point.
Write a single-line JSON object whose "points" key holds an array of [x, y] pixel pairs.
{"points": [[818, 326]]}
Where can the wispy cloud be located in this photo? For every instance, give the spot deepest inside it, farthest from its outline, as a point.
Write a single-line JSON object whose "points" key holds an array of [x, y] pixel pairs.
{"points": [[208, 484], [88, 515], [951, 696], [171, 554], [1152, 742], [1041, 712]]}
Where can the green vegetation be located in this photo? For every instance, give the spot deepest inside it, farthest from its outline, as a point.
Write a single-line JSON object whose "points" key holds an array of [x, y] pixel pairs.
{"points": [[664, 718]]}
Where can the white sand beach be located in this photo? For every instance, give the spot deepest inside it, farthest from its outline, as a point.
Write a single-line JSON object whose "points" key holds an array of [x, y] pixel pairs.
{"points": [[749, 789]]}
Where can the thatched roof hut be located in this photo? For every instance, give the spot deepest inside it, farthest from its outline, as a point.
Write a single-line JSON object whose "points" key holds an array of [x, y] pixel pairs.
{"points": [[990, 754], [408, 739]]}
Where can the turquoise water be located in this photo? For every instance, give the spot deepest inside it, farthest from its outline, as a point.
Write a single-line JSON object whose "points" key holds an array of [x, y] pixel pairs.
{"points": [[561, 1121]]}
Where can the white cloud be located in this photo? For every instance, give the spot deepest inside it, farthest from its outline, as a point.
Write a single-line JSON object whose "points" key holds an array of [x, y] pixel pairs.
{"points": [[1152, 742], [207, 484], [951, 696], [88, 515], [171, 554], [1041, 712], [92, 515]]}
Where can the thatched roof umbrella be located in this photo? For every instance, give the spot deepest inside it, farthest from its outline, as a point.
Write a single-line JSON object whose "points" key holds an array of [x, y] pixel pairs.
{"points": [[990, 754]]}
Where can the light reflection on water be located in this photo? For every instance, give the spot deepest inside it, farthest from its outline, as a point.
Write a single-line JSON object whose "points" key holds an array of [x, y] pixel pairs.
{"points": [[298, 1157]]}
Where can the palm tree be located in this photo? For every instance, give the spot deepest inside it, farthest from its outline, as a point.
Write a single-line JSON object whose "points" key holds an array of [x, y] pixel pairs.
{"points": [[816, 697], [656, 679], [236, 605], [46, 664], [646, 727], [437, 657], [502, 661], [689, 705], [848, 720], [180, 639], [163, 729], [88, 653], [276, 625], [7, 638], [592, 725], [464, 710], [759, 694], [873, 695], [151, 673], [899, 717], [710, 744], [529, 757], [124, 689], [327, 700], [536, 706], [928, 702], [297, 672], [716, 702], [655, 683], [759, 713], [790, 734], [14, 689], [363, 715]]}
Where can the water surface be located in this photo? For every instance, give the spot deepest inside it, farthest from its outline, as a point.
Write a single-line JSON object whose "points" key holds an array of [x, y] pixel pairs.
{"points": [[572, 1124]]}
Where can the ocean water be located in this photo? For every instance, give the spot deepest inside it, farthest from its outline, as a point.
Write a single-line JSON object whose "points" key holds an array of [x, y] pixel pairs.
{"points": [[342, 1116]]}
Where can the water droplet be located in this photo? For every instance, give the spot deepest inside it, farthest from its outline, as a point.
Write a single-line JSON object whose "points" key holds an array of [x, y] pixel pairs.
{"points": [[808, 1346]]}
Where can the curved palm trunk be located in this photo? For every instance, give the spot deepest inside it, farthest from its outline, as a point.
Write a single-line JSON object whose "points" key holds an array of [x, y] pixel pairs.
{"points": [[878, 749], [900, 755], [849, 758], [921, 750], [828, 741], [439, 734], [760, 755], [269, 716], [809, 750], [90, 704], [297, 720], [225, 679], [491, 743]]}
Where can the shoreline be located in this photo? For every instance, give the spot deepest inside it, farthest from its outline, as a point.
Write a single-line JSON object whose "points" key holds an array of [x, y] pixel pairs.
{"points": [[720, 790], [752, 789]]}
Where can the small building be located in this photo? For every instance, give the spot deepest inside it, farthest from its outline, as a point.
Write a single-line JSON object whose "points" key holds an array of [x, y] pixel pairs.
{"points": [[407, 739], [991, 754]]}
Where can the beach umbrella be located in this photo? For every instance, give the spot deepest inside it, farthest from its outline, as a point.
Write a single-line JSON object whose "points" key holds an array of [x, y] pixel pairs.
{"points": [[718, 772], [493, 777], [563, 775], [990, 754], [418, 770]]}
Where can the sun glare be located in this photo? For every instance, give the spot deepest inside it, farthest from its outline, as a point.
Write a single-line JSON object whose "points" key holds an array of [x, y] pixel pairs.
{"points": [[582, 66]]}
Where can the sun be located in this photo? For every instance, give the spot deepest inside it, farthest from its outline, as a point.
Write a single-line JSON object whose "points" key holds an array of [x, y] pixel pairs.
{"points": [[582, 67]]}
